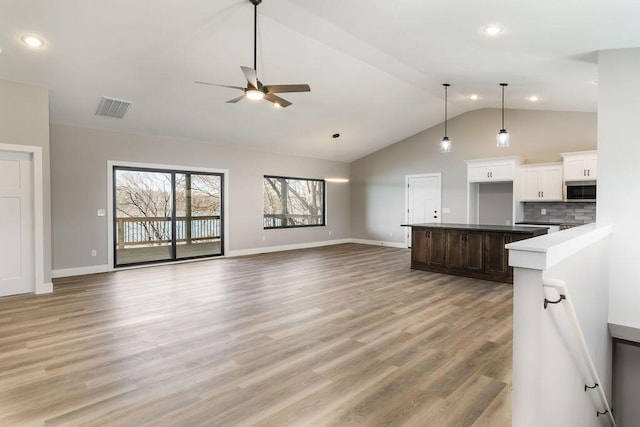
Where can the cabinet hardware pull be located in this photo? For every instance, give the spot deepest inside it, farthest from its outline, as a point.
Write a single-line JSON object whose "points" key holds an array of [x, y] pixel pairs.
{"points": [[588, 172], [542, 194]]}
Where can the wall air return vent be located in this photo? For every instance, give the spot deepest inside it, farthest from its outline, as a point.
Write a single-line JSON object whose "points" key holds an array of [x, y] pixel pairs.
{"points": [[115, 108]]}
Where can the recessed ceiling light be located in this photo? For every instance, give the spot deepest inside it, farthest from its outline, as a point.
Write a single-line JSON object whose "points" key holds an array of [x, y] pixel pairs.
{"points": [[473, 97], [492, 30], [533, 98], [32, 41]]}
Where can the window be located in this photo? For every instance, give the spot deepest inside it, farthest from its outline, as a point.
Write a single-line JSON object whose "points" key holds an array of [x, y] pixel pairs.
{"points": [[293, 202]]}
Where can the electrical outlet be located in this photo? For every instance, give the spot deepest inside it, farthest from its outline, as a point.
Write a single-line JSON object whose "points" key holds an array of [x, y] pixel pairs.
{"points": [[329, 232], [543, 211], [264, 238], [446, 210], [94, 252], [391, 234], [101, 212]]}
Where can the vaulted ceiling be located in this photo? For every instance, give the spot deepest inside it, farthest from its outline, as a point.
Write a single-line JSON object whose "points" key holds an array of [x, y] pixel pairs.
{"points": [[375, 67]]}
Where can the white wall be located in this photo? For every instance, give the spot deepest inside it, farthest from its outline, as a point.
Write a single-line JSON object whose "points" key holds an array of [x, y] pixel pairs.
{"points": [[79, 187], [619, 204], [24, 120], [619, 176]]}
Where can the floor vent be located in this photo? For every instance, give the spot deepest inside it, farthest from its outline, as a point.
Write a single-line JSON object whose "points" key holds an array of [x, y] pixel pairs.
{"points": [[115, 108]]}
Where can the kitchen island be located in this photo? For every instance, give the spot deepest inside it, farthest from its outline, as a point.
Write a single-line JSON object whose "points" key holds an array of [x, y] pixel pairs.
{"points": [[470, 250]]}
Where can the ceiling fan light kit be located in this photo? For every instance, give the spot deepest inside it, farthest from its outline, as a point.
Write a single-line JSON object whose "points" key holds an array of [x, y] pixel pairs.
{"points": [[503, 138], [255, 90]]}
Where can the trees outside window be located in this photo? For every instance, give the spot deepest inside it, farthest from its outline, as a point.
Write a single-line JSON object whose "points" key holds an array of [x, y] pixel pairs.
{"points": [[293, 202]]}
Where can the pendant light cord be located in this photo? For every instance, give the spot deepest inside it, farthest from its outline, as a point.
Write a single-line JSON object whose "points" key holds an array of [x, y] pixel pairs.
{"points": [[503, 86], [503, 107], [446, 97]]}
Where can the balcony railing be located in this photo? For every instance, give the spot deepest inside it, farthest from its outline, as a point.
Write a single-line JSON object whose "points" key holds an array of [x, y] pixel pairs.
{"points": [[151, 231], [290, 220]]}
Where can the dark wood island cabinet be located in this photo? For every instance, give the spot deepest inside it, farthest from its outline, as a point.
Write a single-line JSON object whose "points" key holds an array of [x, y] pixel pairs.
{"points": [[469, 250]]}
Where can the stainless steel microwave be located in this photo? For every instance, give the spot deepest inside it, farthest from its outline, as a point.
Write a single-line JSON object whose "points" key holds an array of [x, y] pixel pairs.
{"points": [[580, 191]]}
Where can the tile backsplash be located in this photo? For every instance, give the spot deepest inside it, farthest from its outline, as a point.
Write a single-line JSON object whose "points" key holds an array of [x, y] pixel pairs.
{"points": [[574, 212]]}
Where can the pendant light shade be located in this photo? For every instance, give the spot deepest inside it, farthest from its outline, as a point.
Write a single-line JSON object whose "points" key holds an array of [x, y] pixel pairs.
{"points": [[445, 143], [502, 139]]}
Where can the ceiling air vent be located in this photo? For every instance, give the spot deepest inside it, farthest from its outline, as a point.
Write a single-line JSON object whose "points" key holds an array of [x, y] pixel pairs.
{"points": [[115, 108]]}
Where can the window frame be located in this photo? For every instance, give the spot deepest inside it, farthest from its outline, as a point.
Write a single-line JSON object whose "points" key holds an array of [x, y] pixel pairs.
{"points": [[324, 202]]}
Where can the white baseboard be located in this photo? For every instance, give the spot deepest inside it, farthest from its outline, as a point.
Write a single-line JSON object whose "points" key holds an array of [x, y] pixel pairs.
{"points": [[379, 243], [79, 271], [45, 288], [255, 251], [93, 269]]}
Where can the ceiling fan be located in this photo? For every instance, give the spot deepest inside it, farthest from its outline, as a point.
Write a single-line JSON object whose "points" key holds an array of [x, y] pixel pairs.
{"points": [[255, 90]]}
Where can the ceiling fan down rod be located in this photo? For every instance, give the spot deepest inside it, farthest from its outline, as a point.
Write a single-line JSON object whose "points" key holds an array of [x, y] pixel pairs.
{"points": [[255, 33]]}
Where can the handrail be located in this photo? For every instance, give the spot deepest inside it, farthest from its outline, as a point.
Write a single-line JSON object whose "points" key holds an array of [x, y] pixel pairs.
{"points": [[563, 293]]}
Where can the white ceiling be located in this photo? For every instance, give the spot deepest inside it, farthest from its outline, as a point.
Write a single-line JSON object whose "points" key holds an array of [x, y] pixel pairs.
{"points": [[375, 67]]}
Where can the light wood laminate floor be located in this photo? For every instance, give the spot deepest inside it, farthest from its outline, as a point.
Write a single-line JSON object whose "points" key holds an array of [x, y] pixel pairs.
{"points": [[345, 335]]}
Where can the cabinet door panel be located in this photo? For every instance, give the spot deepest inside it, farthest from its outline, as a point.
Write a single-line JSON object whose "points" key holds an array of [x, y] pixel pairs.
{"points": [[478, 173], [529, 186], [551, 183], [418, 246], [503, 171], [592, 166], [474, 243], [437, 247], [455, 249], [495, 259], [575, 169]]}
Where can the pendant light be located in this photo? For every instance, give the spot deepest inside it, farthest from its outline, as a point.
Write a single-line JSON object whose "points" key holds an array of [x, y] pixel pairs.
{"points": [[503, 136], [445, 143], [338, 180]]}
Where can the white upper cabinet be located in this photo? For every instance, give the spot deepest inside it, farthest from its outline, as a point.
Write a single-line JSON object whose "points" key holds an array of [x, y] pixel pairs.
{"points": [[580, 166], [541, 182], [492, 170]]}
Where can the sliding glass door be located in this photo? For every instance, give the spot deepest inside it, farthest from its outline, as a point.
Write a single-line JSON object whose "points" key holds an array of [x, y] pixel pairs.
{"points": [[165, 215], [198, 221]]}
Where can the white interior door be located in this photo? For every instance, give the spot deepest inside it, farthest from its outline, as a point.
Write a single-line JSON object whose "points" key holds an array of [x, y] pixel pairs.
{"points": [[424, 200], [16, 224]]}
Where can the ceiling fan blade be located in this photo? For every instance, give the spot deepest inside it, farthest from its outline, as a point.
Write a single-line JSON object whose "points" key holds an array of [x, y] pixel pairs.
{"points": [[214, 84], [287, 88], [234, 100], [276, 100], [251, 75]]}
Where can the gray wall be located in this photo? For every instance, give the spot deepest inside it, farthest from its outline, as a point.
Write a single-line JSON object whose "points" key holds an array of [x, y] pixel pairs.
{"points": [[495, 204], [24, 120], [79, 187], [377, 180]]}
